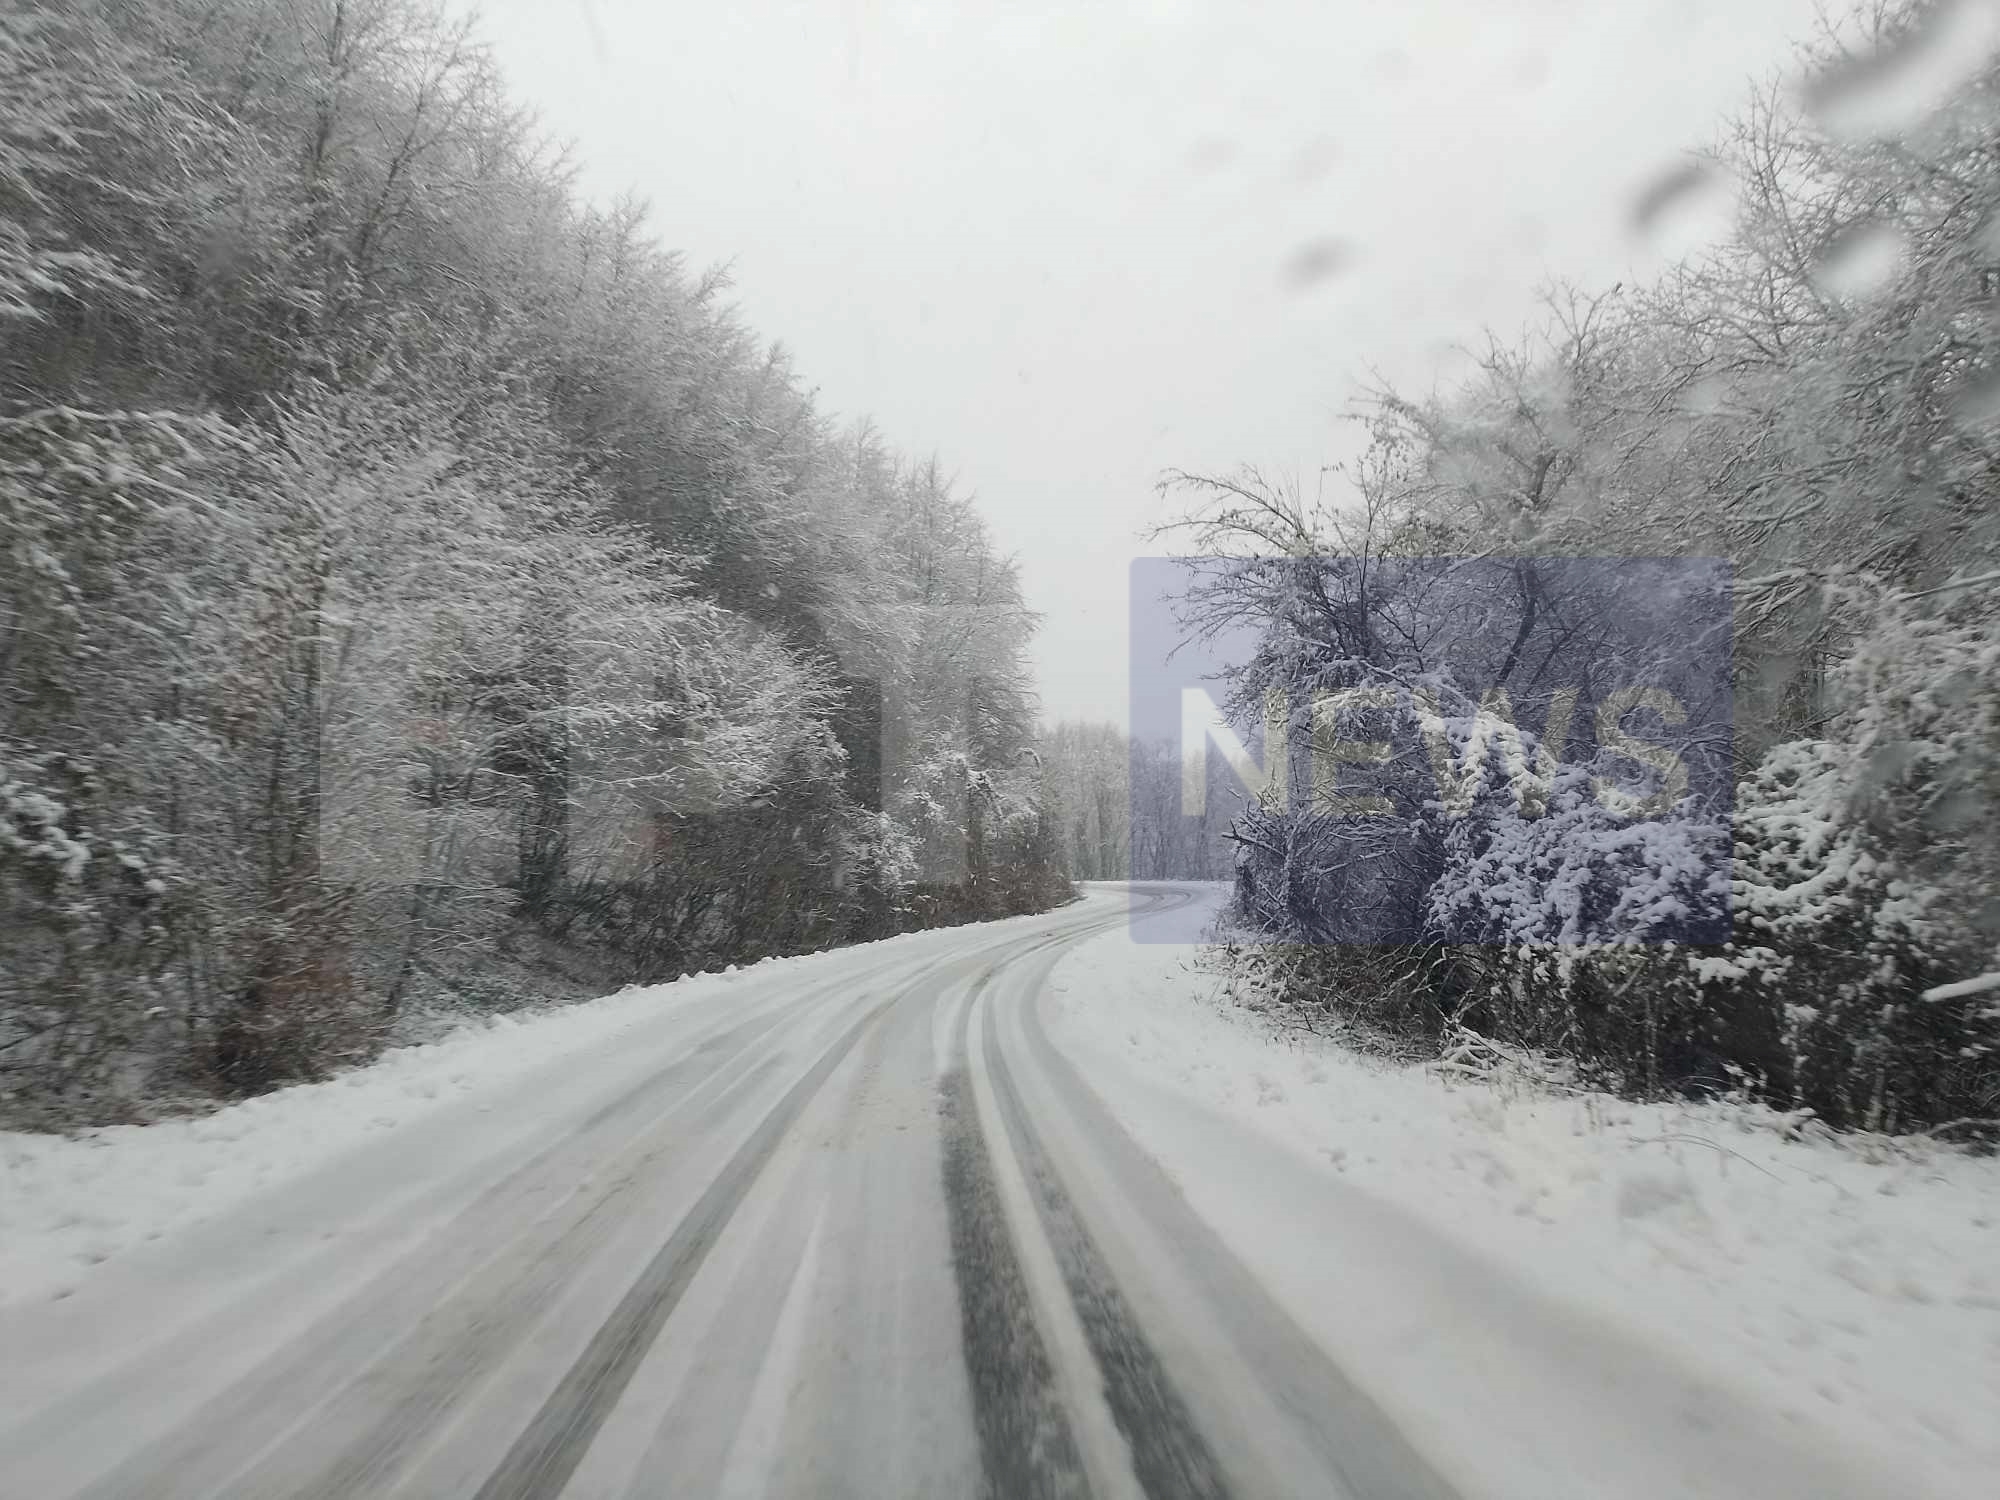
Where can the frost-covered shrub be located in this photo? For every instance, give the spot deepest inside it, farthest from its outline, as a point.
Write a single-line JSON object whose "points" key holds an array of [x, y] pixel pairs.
{"points": [[1576, 914], [1866, 871], [1579, 873], [1861, 876], [88, 923], [1863, 879], [1501, 866]]}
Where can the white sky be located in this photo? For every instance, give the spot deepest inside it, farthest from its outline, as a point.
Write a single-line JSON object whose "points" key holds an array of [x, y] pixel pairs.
{"points": [[1050, 242]]}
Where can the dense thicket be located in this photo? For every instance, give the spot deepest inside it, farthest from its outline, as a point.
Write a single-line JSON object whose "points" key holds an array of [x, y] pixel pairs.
{"points": [[1814, 401], [403, 562]]}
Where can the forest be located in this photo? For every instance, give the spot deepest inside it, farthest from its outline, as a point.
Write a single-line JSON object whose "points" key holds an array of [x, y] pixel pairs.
{"points": [[418, 588], [421, 594], [1115, 806], [1813, 402]]}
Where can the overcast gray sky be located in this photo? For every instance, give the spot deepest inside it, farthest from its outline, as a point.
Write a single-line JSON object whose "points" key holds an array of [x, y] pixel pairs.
{"points": [[1050, 242]]}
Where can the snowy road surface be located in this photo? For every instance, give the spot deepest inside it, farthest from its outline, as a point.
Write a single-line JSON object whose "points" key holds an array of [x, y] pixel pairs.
{"points": [[848, 1226]]}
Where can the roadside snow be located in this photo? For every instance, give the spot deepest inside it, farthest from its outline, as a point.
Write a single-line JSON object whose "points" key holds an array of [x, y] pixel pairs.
{"points": [[1857, 1299], [71, 1204], [1846, 1294]]}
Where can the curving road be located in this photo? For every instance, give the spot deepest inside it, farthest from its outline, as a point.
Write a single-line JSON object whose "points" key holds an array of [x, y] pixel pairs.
{"points": [[848, 1227], [857, 1230]]}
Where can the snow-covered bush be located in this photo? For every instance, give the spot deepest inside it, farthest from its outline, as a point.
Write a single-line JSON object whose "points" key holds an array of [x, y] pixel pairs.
{"points": [[1840, 450], [90, 917], [1866, 869], [1560, 923], [1815, 952], [1862, 892], [1580, 873]]}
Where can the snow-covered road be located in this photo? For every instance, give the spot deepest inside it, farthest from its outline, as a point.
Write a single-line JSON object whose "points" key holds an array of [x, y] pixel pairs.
{"points": [[855, 1225]]}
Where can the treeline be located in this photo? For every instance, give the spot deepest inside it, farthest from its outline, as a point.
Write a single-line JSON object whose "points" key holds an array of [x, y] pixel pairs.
{"points": [[404, 562], [1816, 401], [1115, 807]]}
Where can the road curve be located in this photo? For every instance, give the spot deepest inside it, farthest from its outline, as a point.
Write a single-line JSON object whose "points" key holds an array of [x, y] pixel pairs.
{"points": [[854, 1229]]}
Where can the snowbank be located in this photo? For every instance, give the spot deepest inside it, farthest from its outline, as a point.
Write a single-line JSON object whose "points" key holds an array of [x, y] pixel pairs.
{"points": [[1851, 1291]]}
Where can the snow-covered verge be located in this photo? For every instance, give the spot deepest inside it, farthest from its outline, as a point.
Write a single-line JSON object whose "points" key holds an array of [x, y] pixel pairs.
{"points": [[71, 1204], [1852, 1289]]}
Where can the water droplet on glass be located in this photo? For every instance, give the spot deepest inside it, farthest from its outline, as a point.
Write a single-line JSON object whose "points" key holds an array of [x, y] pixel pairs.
{"points": [[1315, 261], [1885, 91], [1859, 261], [1985, 239], [1316, 158], [1211, 154], [1706, 395], [1683, 208], [1978, 405]]}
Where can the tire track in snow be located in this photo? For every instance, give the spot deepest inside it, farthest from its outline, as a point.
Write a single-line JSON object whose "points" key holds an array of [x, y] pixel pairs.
{"points": [[1350, 1438], [1026, 1446], [550, 1447], [1028, 1442], [1170, 1458], [319, 1380]]}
